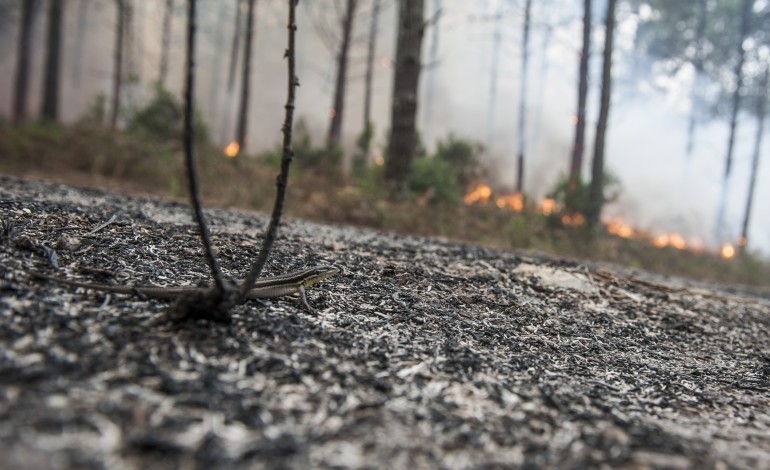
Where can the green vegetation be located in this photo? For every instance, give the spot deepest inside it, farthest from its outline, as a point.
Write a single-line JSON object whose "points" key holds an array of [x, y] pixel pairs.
{"points": [[88, 154]]}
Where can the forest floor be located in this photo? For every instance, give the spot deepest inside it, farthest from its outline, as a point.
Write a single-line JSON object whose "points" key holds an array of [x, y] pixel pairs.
{"points": [[424, 353]]}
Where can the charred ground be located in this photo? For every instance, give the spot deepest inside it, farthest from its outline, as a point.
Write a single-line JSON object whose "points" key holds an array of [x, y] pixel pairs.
{"points": [[424, 354]]}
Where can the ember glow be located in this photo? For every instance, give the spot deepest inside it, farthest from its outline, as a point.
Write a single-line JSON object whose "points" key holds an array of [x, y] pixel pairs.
{"points": [[619, 228], [728, 251], [514, 201], [232, 149]]}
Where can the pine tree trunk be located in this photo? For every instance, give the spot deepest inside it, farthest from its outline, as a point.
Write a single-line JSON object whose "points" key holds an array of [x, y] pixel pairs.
{"points": [[338, 108], [370, 55], [23, 59], [117, 80], [234, 48], [243, 114], [696, 91], [403, 136], [52, 63], [596, 191], [578, 147]]}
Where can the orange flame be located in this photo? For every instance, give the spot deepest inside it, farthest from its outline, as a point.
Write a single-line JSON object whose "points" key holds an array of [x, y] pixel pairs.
{"points": [[549, 206], [481, 193], [728, 251], [379, 160], [575, 220], [677, 241], [661, 241], [232, 149], [620, 228], [513, 201]]}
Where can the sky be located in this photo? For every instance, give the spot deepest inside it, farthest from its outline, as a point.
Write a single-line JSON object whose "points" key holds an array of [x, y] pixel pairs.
{"points": [[662, 190]]}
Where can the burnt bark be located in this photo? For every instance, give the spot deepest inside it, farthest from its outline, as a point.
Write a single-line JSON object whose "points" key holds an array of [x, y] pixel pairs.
{"points": [[596, 191], [243, 114], [234, 48], [403, 136], [338, 107], [23, 59], [578, 147], [50, 110]]}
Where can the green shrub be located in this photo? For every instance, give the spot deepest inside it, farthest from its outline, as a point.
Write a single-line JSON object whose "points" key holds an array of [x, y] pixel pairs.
{"points": [[163, 119], [465, 158], [434, 174]]}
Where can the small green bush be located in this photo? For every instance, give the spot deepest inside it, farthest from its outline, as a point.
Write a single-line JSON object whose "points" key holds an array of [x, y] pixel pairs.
{"points": [[162, 119], [434, 174]]}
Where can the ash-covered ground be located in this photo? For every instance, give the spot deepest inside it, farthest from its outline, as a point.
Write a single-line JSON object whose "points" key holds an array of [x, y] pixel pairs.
{"points": [[423, 353]]}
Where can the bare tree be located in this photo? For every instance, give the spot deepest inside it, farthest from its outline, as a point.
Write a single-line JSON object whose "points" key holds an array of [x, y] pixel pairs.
{"points": [[578, 147], [23, 59], [596, 191], [368, 79], [54, 41], [403, 131], [338, 108]]}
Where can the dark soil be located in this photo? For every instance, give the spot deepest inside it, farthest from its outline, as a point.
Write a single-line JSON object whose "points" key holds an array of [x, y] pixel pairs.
{"points": [[423, 354]]}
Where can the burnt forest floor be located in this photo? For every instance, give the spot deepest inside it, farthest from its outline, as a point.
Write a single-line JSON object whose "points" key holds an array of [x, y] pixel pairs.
{"points": [[423, 353]]}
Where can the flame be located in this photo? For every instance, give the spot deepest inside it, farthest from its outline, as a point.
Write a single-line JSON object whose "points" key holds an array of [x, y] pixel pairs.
{"points": [[728, 251], [661, 241], [379, 160], [549, 206], [481, 193], [574, 220], [513, 201], [332, 113], [677, 241], [232, 149], [620, 228]]}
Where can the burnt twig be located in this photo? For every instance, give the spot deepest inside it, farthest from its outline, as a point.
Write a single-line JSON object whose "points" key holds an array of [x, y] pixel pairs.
{"points": [[189, 147]]}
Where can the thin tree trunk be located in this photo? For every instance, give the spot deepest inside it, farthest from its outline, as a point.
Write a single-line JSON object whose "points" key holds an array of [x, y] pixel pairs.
{"points": [[745, 17], [596, 191], [80, 32], [578, 147], [368, 79], [52, 63], [235, 47], [23, 59], [523, 99], [165, 41], [338, 108], [695, 92], [117, 80], [244, 105], [403, 136], [432, 60], [497, 37], [761, 108]]}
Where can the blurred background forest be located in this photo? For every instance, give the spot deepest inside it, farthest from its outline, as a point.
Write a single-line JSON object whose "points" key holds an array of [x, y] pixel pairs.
{"points": [[622, 130]]}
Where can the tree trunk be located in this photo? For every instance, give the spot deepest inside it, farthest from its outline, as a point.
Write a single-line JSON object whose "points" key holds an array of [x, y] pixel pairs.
{"points": [[53, 57], [596, 191], [338, 108], [432, 60], [523, 99], [117, 80], [761, 108], [360, 161], [234, 48], [243, 114], [745, 17], [696, 91], [578, 147], [403, 132], [165, 41], [23, 59], [77, 54]]}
